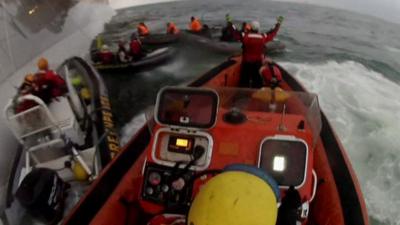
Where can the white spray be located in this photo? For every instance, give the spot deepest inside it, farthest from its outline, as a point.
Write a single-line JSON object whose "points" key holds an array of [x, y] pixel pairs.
{"points": [[364, 108]]}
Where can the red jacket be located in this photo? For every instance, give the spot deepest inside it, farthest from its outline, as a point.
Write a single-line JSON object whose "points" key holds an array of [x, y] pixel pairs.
{"points": [[253, 44], [106, 57], [270, 72], [135, 48], [49, 85]]}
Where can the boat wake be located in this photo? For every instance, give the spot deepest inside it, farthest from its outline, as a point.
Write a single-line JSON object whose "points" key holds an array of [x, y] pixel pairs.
{"points": [[364, 108]]}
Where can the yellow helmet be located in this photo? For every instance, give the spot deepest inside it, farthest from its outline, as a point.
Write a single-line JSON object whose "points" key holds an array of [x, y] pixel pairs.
{"points": [[43, 64], [234, 198]]}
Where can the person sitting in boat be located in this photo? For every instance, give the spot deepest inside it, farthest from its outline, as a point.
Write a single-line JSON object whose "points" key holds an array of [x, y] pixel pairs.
{"points": [[253, 45], [228, 18], [271, 74], [26, 86], [195, 25], [122, 53], [142, 29], [105, 56], [25, 89], [136, 49], [229, 32], [82, 88], [48, 85], [246, 28], [172, 28]]}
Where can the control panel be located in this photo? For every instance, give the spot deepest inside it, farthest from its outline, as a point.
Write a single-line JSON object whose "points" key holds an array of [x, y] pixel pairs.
{"points": [[172, 146], [166, 185]]}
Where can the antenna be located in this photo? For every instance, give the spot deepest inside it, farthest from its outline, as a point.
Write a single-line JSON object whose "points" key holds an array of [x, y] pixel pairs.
{"points": [[281, 126], [272, 105]]}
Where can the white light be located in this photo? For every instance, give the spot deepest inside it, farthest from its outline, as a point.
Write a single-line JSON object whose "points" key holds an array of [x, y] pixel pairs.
{"points": [[30, 12], [279, 164]]}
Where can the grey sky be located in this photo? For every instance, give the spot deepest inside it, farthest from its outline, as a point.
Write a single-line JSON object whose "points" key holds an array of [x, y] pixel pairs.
{"points": [[385, 9]]}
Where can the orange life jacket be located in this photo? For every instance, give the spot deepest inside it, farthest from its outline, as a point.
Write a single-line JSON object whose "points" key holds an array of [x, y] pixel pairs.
{"points": [[172, 29], [143, 30], [195, 25]]}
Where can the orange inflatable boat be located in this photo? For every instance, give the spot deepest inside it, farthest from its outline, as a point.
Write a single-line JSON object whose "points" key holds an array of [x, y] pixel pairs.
{"points": [[211, 128]]}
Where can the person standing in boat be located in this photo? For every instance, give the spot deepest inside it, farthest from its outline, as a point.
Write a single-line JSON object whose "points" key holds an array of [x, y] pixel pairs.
{"points": [[195, 25], [253, 46], [142, 29], [229, 31], [172, 28], [246, 28], [47, 84], [136, 49]]}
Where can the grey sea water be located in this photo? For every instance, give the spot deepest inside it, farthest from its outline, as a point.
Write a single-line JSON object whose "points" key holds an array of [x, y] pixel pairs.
{"points": [[349, 60]]}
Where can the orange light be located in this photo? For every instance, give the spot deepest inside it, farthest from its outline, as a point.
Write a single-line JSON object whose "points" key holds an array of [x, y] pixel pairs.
{"points": [[182, 142]]}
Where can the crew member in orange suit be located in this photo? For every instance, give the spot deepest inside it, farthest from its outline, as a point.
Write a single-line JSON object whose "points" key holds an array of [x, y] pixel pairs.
{"points": [[172, 28], [142, 29], [195, 25]]}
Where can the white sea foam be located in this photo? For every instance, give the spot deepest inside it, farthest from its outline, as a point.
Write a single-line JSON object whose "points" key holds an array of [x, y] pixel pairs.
{"points": [[172, 67], [392, 49], [364, 108]]}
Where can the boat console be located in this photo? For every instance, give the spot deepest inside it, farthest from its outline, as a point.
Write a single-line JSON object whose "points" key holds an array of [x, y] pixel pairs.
{"points": [[162, 185], [193, 141], [182, 145], [173, 146]]}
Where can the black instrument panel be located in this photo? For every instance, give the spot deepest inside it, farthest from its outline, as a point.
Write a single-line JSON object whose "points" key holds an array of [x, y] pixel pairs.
{"points": [[167, 186]]}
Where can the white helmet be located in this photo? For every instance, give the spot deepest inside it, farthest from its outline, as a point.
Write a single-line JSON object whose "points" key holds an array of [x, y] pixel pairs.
{"points": [[105, 48], [255, 25]]}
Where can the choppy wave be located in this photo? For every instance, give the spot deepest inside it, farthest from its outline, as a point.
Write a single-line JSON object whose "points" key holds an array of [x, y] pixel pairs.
{"points": [[364, 108]]}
